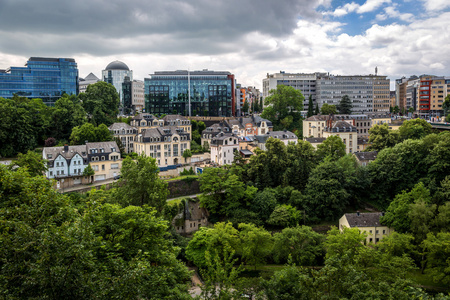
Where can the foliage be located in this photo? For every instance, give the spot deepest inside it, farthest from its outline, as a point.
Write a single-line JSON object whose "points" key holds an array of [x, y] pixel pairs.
{"points": [[187, 172], [100, 252], [67, 114], [24, 124], [332, 147], [245, 107], [328, 109], [256, 244], [264, 203], [345, 105], [90, 133], [197, 128], [414, 129], [283, 108], [380, 137], [397, 214], [186, 154], [301, 244], [349, 242], [317, 111], [101, 103], [50, 142], [284, 216], [140, 184], [437, 249], [32, 162]]}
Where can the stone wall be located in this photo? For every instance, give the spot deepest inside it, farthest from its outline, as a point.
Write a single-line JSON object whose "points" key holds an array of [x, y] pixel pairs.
{"points": [[183, 187]]}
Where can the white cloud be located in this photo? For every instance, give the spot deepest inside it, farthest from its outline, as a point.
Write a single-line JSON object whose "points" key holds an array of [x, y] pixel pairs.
{"points": [[436, 5], [368, 6]]}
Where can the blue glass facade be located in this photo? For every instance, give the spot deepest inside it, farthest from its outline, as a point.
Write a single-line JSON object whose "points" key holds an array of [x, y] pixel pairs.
{"points": [[44, 78], [212, 93]]}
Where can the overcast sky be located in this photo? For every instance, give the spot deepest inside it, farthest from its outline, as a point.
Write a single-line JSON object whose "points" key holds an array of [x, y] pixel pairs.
{"points": [[249, 38]]}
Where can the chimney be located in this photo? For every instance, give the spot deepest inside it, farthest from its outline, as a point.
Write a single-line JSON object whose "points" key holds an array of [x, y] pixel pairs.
{"points": [[66, 148], [86, 141], [357, 213]]}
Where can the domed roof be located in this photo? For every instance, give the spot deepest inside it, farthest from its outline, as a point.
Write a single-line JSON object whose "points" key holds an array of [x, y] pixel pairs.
{"points": [[117, 65]]}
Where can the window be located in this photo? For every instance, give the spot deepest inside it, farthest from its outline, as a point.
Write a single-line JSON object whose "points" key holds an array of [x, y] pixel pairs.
{"points": [[51, 173], [376, 232], [49, 156], [384, 231], [57, 164], [103, 167], [57, 172], [62, 172]]}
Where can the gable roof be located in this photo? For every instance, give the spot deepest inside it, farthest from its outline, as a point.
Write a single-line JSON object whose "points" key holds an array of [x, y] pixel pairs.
{"points": [[364, 219], [371, 156]]}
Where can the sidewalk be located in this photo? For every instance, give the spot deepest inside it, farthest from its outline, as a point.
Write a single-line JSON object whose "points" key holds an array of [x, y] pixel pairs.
{"points": [[86, 187]]}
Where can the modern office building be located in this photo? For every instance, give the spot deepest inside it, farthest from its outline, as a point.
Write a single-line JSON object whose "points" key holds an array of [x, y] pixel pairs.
{"points": [[368, 93], [133, 96], [212, 93], [304, 82], [115, 73], [44, 78]]}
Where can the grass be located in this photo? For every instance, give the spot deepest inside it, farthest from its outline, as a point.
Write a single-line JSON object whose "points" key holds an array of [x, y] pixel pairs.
{"points": [[426, 281], [181, 177], [175, 201]]}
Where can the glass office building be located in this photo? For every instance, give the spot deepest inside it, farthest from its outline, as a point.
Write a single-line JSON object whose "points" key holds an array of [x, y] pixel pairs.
{"points": [[44, 78], [115, 74], [211, 93]]}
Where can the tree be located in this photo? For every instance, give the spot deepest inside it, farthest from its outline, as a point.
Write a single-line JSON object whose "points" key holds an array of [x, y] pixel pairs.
{"points": [[397, 244], [396, 110], [328, 109], [89, 172], [186, 154], [140, 184], [348, 242], [301, 244], [67, 113], [101, 103], [380, 137], [32, 162], [414, 129], [284, 215], [264, 203], [345, 105], [245, 107], [317, 111], [446, 105], [437, 249], [397, 215], [50, 142], [90, 133], [332, 147], [310, 107], [256, 244], [284, 104]]}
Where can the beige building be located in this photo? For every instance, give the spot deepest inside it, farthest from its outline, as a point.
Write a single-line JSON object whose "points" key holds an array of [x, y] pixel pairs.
{"points": [[145, 121], [125, 133], [105, 159], [348, 134], [368, 223], [165, 144], [191, 219]]}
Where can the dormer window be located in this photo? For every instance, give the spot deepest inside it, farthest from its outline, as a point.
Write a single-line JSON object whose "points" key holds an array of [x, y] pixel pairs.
{"points": [[49, 156]]}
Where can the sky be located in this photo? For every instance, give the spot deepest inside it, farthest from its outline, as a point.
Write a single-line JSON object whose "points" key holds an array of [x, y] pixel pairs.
{"points": [[249, 38]]}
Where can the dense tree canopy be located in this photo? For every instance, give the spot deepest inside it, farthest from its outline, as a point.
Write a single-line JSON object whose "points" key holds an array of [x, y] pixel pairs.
{"points": [[90, 133], [101, 102], [328, 109], [345, 105]]}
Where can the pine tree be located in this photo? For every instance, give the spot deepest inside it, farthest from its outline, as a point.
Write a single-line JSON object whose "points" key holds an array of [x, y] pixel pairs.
{"points": [[317, 111], [310, 107], [345, 105]]}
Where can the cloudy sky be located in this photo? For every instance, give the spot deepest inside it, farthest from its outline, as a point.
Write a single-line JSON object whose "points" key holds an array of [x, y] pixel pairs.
{"points": [[247, 37]]}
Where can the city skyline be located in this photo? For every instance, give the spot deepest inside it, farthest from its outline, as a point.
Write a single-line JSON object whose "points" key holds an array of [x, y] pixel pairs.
{"points": [[248, 38]]}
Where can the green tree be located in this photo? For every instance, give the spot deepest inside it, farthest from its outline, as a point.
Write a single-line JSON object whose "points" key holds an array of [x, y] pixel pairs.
{"points": [[398, 213], [446, 105], [264, 203], [349, 242], [186, 154], [140, 184], [380, 137], [284, 215], [256, 244], [414, 129], [310, 107], [317, 111], [397, 244], [439, 158], [345, 105], [101, 102], [245, 107], [32, 162], [332, 147], [67, 114], [437, 248], [89, 172], [396, 110], [328, 109], [90, 133], [303, 245]]}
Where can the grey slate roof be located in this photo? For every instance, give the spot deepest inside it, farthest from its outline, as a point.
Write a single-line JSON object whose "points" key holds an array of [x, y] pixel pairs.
{"points": [[55, 151], [119, 126], [363, 140], [371, 156], [315, 140], [317, 118], [341, 126], [364, 219], [105, 145]]}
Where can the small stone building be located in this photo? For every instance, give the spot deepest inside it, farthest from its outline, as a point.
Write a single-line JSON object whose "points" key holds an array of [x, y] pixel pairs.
{"points": [[191, 218]]}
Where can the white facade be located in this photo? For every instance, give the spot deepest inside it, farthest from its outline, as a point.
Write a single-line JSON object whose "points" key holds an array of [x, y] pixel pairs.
{"points": [[222, 149]]}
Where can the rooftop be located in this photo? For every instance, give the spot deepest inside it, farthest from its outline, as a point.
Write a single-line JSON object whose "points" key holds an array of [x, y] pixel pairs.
{"points": [[117, 65], [371, 156], [364, 219]]}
